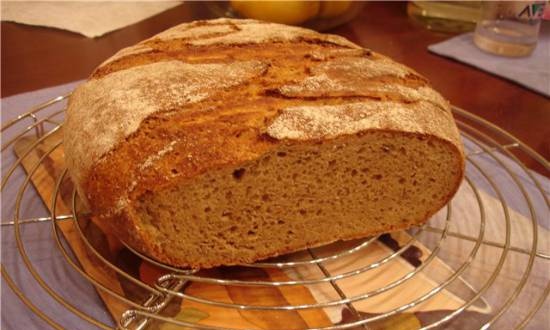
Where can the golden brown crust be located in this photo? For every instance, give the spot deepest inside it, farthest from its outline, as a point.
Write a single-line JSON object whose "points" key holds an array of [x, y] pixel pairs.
{"points": [[229, 113]]}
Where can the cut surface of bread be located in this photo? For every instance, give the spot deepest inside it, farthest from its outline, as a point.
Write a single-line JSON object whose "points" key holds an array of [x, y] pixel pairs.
{"points": [[301, 196], [227, 141]]}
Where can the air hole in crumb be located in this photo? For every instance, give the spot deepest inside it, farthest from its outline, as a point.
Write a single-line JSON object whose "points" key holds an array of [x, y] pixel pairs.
{"points": [[332, 163], [174, 171], [353, 172], [207, 209], [280, 222], [402, 180], [265, 197], [377, 177], [233, 229], [303, 212], [251, 232], [281, 154], [238, 173]]}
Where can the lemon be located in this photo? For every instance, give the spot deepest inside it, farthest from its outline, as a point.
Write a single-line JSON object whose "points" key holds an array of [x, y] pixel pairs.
{"points": [[285, 12], [333, 8]]}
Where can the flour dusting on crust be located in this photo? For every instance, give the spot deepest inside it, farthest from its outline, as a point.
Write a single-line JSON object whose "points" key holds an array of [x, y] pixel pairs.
{"points": [[347, 75], [129, 51], [105, 111], [318, 122], [237, 32], [150, 161], [195, 31], [362, 66], [353, 76]]}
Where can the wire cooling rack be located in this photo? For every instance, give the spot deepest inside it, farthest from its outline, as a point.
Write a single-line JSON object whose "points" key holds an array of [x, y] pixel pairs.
{"points": [[493, 168]]}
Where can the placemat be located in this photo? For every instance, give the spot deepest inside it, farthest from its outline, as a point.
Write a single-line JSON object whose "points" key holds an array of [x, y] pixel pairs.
{"points": [[532, 71]]}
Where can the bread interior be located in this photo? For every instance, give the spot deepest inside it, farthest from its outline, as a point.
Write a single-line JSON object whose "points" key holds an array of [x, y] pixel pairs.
{"points": [[301, 196]]}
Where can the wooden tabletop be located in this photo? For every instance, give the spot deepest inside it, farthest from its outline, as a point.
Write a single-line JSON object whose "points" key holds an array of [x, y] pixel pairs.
{"points": [[38, 57]]}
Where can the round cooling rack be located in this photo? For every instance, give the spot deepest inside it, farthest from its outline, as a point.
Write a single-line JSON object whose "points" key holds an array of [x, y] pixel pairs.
{"points": [[481, 262]]}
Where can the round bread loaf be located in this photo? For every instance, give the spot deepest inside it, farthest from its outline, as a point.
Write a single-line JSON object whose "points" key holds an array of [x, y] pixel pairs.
{"points": [[227, 141]]}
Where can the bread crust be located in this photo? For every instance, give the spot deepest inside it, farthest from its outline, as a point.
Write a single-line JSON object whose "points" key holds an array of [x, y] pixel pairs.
{"points": [[242, 81]]}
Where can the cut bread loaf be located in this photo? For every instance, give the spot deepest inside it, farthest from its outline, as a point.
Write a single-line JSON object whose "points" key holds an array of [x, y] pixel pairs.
{"points": [[227, 141]]}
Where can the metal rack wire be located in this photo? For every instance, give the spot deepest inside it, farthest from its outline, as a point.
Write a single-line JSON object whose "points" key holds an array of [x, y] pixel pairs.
{"points": [[489, 142]]}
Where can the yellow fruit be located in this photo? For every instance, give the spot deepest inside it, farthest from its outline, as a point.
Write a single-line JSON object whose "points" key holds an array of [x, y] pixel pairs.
{"points": [[333, 8], [285, 12]]}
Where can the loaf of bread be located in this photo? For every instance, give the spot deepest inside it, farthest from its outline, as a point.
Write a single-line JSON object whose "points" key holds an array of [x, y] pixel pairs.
{"points": [[227, 141]]}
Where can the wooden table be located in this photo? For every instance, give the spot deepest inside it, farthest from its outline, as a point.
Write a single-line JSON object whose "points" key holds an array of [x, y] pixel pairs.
{"points": [[37, 57]]}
